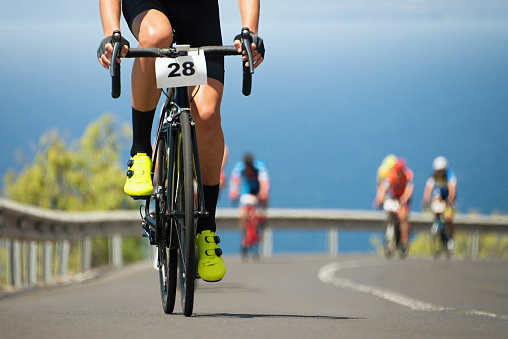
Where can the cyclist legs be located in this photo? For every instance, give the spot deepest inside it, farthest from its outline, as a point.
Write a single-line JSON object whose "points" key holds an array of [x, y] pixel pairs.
{"points": [[449, 213], [242, 220], [205, 108]]}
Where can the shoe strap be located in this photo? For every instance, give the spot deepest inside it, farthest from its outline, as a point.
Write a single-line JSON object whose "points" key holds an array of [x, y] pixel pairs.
{"points": [[130, 173], [215, 238], [216, 251]]}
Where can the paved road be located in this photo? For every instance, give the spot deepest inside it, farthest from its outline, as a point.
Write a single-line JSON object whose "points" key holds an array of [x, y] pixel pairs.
{"points": [[297, 297]]}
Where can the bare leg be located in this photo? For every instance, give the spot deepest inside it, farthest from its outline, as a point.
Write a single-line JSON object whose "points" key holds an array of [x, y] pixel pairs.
{"points": [[206, 113], [152, 29], [403, 224], [451, 228]]}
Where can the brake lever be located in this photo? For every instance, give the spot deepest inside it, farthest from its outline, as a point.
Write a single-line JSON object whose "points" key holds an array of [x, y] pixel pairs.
{"points": [[116, 41], [114, 70], [246, 41]]}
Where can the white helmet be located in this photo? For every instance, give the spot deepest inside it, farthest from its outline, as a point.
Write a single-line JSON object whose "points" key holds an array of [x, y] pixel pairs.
{"points": [[440, 163]]}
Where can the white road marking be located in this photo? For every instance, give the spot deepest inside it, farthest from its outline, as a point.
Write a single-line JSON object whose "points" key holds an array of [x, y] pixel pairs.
{"points": [[327, 275]]}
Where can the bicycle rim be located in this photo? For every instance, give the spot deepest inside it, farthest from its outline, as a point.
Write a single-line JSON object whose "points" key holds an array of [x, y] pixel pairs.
{"points": [[184, 202], [167, 277], [166, 257]]}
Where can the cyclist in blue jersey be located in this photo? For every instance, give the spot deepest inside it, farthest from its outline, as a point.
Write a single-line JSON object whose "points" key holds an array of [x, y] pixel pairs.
{"points": [[196, 23], [249, 177], [442, 184]]}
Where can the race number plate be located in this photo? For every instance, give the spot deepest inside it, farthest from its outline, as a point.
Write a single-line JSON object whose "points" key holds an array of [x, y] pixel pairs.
{"points": [[438, 206], [391, 205], [183, 71]]}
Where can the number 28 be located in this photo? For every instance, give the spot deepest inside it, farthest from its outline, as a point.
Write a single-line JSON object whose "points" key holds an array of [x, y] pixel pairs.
{"points": [[187, 69]]}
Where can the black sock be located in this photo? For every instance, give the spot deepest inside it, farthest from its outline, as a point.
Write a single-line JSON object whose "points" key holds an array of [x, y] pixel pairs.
{"points": [[141, 132], [211, 194]]}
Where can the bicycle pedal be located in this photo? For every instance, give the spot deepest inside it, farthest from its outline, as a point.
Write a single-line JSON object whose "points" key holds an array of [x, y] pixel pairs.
{"points": [[145, 234], [140, 197], [150, 235]]}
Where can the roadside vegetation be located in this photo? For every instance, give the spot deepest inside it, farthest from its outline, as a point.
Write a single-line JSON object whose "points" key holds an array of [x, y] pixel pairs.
{"points": [[84, 175]]}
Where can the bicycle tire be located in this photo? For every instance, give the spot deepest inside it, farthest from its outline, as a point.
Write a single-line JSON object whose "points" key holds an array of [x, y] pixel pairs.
{"points": [[167, 256], [389, 247], [184, 203], [436, 241]]}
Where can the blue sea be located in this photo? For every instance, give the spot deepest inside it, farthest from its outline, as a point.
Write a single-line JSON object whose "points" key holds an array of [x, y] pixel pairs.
{"points": [[417, 79], [305, 241]]}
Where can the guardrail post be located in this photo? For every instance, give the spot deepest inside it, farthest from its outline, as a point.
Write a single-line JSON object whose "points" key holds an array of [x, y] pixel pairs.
{"points": [[267, 243], [333, 242], [64, 257], [32, 263], [48, 261], [8, 261], [115, 251], [24, 262], [58, 258], [4, 262], [15, 264], [475, 239], [86, 254]]}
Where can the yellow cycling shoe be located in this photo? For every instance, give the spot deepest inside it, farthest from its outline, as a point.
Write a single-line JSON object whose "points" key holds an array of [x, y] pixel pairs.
{"points": [[139, 178], [211, 267]]}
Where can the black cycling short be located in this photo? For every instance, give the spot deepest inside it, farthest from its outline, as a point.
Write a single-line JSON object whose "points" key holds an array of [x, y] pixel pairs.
{"points": [[195, 22]]}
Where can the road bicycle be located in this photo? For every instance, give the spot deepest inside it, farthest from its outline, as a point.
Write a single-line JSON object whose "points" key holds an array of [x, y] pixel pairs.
{"points": [[392, 233], [439, 235], [255, 219], [178, 189]]}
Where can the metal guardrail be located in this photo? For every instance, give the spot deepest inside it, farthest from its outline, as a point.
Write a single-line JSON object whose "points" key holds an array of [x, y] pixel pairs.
{"points": [[22, 226], [335, 220]]}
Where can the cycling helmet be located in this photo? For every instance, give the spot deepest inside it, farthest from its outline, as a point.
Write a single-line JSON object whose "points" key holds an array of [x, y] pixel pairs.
{"points": [[389, 160], [440, 163], [248, 159]]}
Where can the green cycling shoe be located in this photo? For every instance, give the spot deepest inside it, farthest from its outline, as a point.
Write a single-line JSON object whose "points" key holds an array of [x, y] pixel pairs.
{"points": [[139, 178], [211, 267]]}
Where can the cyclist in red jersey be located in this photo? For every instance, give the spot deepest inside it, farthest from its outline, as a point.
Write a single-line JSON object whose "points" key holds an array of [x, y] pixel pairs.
{"points": [[399, 185]]}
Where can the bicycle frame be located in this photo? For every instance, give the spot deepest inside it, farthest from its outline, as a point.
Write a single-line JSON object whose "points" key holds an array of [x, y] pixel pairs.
{"points": [[177, 103], [179, 199]]}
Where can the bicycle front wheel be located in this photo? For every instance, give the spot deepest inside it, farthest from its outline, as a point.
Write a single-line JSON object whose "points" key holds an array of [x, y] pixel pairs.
{"points": [[167, 260], [436, 240], [183, 206]]}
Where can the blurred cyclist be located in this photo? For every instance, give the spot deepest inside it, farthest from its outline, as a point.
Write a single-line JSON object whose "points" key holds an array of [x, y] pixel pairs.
{"points": [[398, 184], [249, 177], [442, 184]]}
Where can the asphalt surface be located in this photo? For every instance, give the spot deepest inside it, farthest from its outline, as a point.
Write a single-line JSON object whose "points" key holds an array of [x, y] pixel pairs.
{"points": [[281, 297]]}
